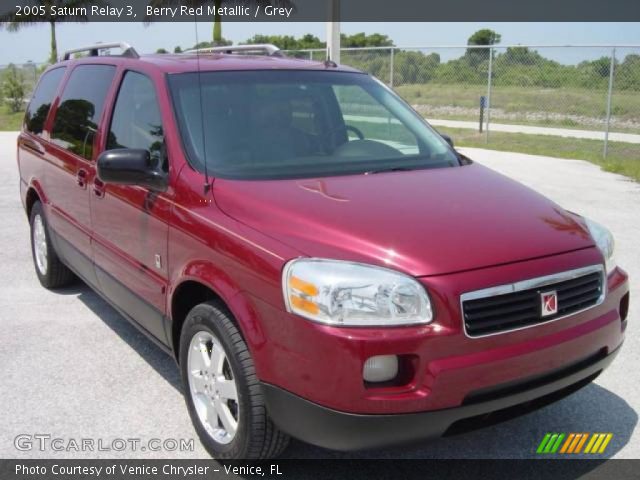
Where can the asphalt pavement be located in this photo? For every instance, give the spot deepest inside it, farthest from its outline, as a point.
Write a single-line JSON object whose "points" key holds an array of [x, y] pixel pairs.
{"points": [[533, 130], [72, 368]]}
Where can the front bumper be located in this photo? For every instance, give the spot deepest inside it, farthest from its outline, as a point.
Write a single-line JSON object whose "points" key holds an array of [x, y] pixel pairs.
{"points": [[440, 366], [336, 430]]}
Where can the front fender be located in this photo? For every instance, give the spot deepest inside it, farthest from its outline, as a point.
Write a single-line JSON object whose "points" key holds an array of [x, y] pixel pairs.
{"points": [[237, 301]]}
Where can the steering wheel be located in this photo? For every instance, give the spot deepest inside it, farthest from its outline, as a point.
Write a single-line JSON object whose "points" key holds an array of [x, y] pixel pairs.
{"points": [[332, 132], [357, 131]]}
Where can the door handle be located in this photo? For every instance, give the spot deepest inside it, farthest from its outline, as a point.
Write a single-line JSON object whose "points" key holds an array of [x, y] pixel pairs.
{"points": [[81, 178], [98, 188], [33, 146]]}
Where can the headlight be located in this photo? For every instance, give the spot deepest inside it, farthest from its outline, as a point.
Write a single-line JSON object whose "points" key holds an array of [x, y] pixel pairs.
{"points": [[353, 294], [605, 243]]}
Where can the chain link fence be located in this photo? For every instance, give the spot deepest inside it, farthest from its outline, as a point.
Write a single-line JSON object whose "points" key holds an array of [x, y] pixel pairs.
{"points": [[588, 93]]}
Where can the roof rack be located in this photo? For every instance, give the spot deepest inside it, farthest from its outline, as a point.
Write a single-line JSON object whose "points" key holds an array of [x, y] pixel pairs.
{"points": [[94, 50], [266, 48]]}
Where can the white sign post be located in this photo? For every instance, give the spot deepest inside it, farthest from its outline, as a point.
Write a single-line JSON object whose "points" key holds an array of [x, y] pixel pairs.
{"points": [[333, 31]]}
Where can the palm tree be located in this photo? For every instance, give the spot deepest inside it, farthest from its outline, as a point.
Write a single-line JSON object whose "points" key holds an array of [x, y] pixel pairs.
{"points": [[217, 21], [14, 23]]}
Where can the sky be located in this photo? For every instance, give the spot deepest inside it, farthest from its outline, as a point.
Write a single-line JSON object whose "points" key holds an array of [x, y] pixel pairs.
{"points": [[32, 43]]}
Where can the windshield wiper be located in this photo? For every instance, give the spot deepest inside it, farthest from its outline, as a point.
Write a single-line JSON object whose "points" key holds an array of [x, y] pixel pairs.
{"points": [[391, 169]]}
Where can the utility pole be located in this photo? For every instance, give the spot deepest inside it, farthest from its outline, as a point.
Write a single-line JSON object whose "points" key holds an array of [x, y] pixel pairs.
{"points": [[612, 68], [333, 31]]}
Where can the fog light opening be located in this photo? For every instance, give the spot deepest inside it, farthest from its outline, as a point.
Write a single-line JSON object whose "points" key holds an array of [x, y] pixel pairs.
{"points": [[624, 307], [380, 368]]}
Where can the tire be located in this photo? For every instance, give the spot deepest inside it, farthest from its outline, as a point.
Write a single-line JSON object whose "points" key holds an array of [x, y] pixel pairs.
{"points": [[207, 331], [51, 272]]}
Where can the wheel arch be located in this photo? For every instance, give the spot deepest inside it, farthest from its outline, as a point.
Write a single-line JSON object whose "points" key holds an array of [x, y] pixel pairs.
{"points": [[34, 194], [193, 290]]}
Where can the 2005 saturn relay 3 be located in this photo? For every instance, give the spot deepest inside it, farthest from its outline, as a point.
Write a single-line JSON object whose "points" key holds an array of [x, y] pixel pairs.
{"points": [[319, 260]]}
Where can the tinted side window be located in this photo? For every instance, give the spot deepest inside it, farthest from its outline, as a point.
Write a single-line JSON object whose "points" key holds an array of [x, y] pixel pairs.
{"points": [[373, 119], [41, 101], [80, 108], [136, 121]]}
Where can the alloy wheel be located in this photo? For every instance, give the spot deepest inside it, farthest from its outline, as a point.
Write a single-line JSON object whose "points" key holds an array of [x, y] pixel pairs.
{"points": [[212, 387], [40, 244]]}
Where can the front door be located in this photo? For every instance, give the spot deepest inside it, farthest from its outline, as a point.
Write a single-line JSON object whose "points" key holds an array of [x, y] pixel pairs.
{"points": [[71, 155], [130, 223]]}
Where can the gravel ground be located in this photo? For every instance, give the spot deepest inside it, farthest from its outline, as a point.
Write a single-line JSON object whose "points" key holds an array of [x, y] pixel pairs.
{"points": [[73, 368]]}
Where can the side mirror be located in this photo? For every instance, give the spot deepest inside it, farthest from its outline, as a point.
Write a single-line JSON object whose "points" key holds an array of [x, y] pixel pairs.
{"points": [[447, 139], [129, 166]]}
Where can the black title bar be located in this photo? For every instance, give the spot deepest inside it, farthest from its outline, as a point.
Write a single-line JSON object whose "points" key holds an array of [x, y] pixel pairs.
{"points": [[325, 10], [284, 469]]}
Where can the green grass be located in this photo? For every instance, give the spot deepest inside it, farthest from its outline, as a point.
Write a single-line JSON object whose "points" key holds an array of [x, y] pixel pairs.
{"points": [[622, 158], [625, 105], [515, 98], [10, 121]]}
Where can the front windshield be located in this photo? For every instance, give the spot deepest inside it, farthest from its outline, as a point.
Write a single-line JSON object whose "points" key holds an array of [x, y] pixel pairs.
{"points": [[300, 124]]}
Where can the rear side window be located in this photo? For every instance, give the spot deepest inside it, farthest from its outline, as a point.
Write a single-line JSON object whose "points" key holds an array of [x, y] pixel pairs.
{"points": [[80, 108], [136, 121], [41, 101]]}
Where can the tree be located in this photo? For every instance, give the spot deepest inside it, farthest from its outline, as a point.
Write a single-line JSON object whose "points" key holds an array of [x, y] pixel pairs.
{"points": [[521, 56], [600, 67], [363, 40], [14, 22], [415, 67], [628, 74], [485, 36], [310, 41], [13, 88], [178, 49], [161, 50]]}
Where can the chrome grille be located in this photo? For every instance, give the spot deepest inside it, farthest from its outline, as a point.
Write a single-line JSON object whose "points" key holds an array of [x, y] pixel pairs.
{"points": [[518, 305]]}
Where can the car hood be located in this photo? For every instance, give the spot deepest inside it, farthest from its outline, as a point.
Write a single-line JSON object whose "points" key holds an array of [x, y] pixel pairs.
{"points": [[423, 222]]}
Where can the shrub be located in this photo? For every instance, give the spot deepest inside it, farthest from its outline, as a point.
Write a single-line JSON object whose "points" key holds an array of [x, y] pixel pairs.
{"points": [[13, 88]]}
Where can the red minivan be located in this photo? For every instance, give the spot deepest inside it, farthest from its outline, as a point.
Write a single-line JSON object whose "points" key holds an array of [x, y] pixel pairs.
{"points": [[320, 262]]}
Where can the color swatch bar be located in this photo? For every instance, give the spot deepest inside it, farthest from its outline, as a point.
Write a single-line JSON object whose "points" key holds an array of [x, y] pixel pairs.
{"points": [[574, 443]]}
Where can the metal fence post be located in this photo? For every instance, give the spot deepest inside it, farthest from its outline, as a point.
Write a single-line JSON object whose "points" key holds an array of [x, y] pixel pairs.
{"points": [[391, 69], [310, 54], [489, 82], [608, 120]]}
